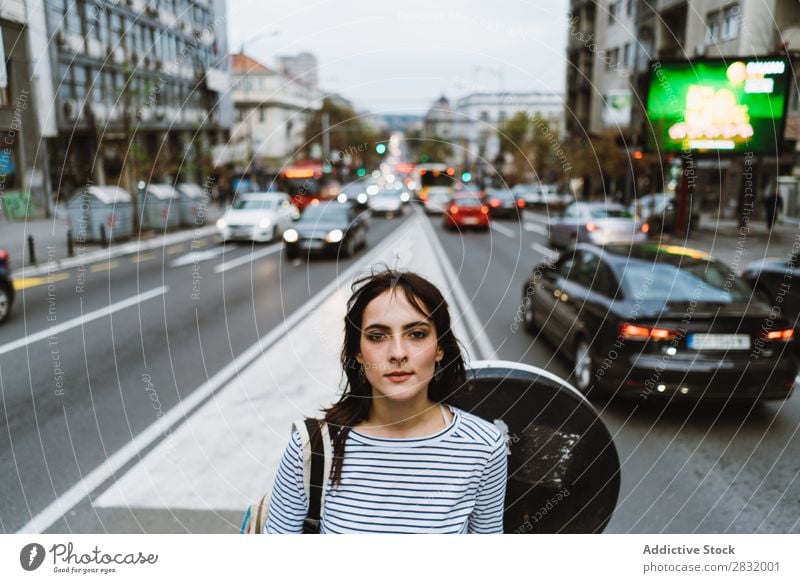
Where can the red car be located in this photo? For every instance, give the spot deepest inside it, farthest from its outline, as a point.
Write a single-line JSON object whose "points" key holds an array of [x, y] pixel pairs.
{"points": [[466, 211]]}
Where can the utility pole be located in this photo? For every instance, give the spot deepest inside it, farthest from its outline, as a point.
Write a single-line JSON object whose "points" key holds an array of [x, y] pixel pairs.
{"points": [[326, 138]]}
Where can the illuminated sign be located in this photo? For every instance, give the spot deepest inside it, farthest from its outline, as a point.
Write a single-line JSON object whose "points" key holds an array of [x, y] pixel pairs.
{"points": [[733, 105]]}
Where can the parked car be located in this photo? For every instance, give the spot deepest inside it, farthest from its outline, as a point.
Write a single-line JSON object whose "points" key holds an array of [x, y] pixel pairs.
{"points": [[659, 321], [466, 211], [260, 217], [659, 212], [327, 227], [775, 280], [600, 223], [6, 287], [437, 199], [504, 204]]}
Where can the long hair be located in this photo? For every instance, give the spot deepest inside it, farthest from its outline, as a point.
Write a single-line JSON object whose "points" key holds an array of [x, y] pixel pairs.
{"points": [[354, 405]]}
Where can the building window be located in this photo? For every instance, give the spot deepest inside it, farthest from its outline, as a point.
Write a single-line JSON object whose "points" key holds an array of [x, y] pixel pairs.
{"points": [[630, 8], [730, 22], [713, 27], [73, 22], [628, 56], [613, 58], [262, 114], [612, 11]]}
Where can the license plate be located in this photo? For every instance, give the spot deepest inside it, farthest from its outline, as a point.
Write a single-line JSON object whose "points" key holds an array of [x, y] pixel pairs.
{"points": [[470, 221], [719, 341], [313, 244]]}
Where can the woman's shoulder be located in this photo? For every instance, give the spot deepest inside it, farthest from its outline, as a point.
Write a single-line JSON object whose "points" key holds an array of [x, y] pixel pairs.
{"points": [[479, 430]]}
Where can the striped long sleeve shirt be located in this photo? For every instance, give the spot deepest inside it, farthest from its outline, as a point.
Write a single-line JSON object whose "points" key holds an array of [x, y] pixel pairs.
{"points": [[450, 482]]}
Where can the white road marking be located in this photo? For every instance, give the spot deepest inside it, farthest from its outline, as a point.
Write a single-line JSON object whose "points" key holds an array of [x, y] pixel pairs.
{"points": [[533, 227], [502, 229], [543, 249], [185, 409], [248, 258], [197, 257], [538, 218], [84, 319]]}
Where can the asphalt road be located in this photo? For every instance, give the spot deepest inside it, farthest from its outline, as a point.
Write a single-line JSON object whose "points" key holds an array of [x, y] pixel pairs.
{"points": [[70, 400]]}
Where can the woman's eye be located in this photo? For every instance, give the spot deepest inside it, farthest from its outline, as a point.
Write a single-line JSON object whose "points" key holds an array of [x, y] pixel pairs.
{"points": [[374, 336], [419, 334]]}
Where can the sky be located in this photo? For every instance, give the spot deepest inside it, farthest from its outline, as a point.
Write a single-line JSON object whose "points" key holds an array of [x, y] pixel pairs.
{"points": [[399, 57]]}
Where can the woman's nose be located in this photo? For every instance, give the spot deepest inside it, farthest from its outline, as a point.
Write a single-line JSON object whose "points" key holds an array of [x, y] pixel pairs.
{"points": [[398, 350]]}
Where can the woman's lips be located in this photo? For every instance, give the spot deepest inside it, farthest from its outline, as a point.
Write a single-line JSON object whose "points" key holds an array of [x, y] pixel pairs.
{"points": [[397, 377]]}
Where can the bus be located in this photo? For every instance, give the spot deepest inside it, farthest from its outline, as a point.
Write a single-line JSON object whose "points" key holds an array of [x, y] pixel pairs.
{"points": [[302, 181], [430, 175]]}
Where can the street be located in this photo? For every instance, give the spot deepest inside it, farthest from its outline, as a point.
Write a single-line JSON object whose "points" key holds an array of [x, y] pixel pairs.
{"points": [[163, 399]]}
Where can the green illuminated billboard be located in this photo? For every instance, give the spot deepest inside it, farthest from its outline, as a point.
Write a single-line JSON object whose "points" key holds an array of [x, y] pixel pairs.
{"points": [[733, 105]]}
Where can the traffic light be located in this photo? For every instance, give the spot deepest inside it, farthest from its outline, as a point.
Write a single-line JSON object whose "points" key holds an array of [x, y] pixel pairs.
{"points": [[361, 172], [424, 158], [380, 149], [466, 177]]}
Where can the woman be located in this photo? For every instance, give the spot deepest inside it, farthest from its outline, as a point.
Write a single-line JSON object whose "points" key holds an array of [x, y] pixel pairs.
{"points": [[403, 460]]}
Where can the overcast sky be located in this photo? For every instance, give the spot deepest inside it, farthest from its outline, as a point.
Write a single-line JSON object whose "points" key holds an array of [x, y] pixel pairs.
{"points": [[399, 57]]}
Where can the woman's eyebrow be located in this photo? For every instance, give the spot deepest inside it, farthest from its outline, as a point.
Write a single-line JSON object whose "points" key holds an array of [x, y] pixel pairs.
{"points": [[408, 326]]}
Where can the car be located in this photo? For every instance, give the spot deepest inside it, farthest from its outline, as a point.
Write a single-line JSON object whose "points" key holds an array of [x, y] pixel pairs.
{"points": [[437, 199], [6, 287], [330, 227], [260, 217], [595, 222], [356, 194], [542, 196], [503, 203], [387, 203], [466, 211], [652, 320], [659, 212]]}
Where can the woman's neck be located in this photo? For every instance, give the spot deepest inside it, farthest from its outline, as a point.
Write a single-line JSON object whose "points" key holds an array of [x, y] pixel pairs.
{"points": [[413, 418]]}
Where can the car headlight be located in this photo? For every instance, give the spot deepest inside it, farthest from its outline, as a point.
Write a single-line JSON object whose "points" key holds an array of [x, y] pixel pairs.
{"points": [[290, 236], [342, 198], [264, 223], [404, 197], [334, 236], [222, 224], [362, 198]]}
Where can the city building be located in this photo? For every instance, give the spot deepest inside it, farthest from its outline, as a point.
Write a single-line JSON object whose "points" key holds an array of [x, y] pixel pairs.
{"points": [[271, 112], [301, 68], [23, 185], [140, 91]]}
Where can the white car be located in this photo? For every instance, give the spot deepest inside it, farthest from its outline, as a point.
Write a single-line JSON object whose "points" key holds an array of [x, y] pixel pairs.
{"points": [[438, 199], [258, 216]]}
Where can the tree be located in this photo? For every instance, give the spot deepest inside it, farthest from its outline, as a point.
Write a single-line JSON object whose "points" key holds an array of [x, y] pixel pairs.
{"points": [[347, 134]]}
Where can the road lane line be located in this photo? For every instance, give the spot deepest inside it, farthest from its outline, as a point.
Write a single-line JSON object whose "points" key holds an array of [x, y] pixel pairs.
{"points": [[175, 249], [27, 282], [195, 257], [84, 319], [248, 258], [105, 266], [479, 336], [543, 249], [536, 229], [503, 230], [144, 257], [187, 407], [538, 218]]}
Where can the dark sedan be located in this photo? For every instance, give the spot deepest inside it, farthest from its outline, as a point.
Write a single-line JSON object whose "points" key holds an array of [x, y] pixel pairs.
{"points": [[775, 281], [504, 204], [334, 227], [6, 287], [655, 320]]}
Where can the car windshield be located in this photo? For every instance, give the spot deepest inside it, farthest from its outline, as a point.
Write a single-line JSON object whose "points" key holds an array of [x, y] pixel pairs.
{"points": [[682, 279], [605, 213], [326, 213], [467, 201], [254, 204], [502, 194]]}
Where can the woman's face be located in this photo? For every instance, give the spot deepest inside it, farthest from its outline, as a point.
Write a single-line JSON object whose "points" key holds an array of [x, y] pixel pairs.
{"points": [[399, 347]]}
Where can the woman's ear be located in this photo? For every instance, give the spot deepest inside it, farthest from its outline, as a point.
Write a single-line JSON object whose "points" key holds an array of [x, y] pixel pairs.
{"points": [[439, 354], [359, 358]]}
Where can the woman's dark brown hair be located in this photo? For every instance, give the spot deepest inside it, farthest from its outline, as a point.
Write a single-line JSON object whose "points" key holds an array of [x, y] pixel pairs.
{"points": [[354, 405]]}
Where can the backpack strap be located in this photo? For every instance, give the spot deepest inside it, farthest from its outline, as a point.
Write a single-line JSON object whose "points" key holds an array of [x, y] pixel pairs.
{"points": [[317, 461]]}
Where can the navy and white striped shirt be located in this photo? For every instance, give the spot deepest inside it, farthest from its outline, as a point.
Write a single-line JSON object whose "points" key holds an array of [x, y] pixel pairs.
{"points": [[450, 482]]}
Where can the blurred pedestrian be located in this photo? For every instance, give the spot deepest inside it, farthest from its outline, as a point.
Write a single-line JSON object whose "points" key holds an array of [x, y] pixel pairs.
{"points": [[774, 207], [403, 460]]}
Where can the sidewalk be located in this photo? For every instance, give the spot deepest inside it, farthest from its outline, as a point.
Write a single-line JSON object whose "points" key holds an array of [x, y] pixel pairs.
{"points": [[50, 240]]}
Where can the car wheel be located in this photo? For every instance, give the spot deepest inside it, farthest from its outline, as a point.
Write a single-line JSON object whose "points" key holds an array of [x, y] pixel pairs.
{"points": [[5, 303], [583, 367], [275, 234], [350, 248], [291, 253], [527, 313]]}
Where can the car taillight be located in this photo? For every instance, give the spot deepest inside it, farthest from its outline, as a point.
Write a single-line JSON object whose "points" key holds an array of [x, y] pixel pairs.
{"points": [[591, 227], [633, 332], [3, 255], [494, 203], [521, 203], [645, 228], [779, 335], [485, 209], [453, 210]]}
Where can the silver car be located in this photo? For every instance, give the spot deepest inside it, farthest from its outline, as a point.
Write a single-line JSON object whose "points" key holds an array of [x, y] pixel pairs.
{"points": [[257, 217], [599, 223]]}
